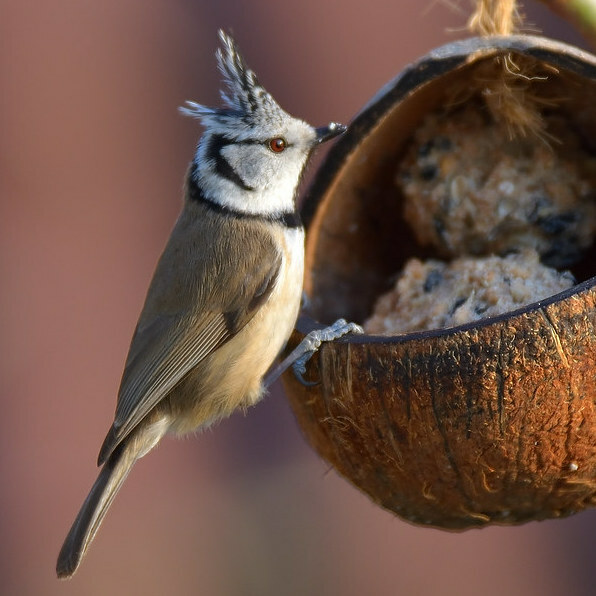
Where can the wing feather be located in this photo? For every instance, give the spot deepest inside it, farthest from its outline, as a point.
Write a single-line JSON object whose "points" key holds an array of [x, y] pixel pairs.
{"points": [[160, 374]]}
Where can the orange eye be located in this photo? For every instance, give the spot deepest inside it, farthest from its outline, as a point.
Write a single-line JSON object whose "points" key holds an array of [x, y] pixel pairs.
{"points": [[277, 145]]}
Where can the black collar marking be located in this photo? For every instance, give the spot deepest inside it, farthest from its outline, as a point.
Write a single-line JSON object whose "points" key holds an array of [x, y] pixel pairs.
{"points": [[288, 219]]}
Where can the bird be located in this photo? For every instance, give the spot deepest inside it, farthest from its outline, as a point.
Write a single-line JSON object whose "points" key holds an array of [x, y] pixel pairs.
{"points": [[226, 291]]}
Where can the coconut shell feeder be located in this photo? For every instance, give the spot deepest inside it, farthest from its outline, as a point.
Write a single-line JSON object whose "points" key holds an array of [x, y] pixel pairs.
{"points": [[492, 421]]}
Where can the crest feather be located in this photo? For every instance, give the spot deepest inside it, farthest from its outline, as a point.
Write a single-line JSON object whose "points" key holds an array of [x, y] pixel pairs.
{"points": [[245, 98]]}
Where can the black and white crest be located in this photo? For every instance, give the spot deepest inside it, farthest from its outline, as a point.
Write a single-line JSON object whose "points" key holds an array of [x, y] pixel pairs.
{"points": [[245, 99]]}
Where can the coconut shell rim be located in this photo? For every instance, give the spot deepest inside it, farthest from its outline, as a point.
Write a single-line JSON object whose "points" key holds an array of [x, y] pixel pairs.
{"points": [[307, 323]]}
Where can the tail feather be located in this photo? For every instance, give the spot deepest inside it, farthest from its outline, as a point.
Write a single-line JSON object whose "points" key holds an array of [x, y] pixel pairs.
{"points": [[93, 510], [108, 483]]}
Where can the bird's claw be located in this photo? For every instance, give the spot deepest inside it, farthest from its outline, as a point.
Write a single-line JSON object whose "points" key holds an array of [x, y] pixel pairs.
{"points": [[312, 342], [299, 368], [303, 352]]}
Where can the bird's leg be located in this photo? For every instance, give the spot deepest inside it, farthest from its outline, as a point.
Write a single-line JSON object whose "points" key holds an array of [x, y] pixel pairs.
{"points": [[302, 353]]}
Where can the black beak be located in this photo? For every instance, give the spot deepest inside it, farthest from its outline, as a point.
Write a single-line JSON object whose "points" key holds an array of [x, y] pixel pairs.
{"points": [[324, 133]]}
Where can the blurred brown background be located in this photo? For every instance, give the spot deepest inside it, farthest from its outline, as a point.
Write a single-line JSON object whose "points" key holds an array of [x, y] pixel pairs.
{"points": [[92, 157]]}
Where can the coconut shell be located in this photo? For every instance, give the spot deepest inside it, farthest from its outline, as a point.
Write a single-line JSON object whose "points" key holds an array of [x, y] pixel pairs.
{"points": [[490, 422]]}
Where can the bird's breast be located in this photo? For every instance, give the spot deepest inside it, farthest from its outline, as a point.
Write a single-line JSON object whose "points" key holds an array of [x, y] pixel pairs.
{"points": [[270, 329]]}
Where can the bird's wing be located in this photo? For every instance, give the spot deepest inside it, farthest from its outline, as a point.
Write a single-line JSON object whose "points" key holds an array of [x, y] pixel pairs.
{"points": [[180, 326]]}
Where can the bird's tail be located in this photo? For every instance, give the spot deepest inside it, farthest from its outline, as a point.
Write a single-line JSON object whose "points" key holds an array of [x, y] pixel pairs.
{"points": [[96, 505]]}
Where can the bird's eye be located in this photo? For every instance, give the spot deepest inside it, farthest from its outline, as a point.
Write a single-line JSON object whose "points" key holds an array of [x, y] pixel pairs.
{"points": [[277, 145]]}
